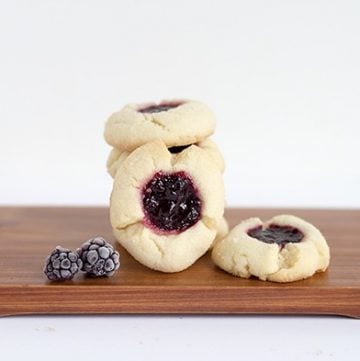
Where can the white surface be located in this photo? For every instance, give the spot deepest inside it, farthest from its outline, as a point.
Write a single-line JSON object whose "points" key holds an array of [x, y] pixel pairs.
{"points": [[179, 338], [282, 77]]}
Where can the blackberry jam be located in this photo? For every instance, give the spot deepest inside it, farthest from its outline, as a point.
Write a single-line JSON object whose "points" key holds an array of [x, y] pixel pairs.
{"points": [[157, 108], [178, 148], [277, 234], [171, 202]]}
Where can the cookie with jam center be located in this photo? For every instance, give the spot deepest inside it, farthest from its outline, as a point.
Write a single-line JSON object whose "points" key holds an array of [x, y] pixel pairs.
{"points": [[284, 249], [175, 122], [163, 209]]}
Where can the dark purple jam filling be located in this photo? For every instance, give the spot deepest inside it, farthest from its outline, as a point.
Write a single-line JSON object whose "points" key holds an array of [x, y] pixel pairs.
{"points": [[277, 234], [178, 148], [157, 108], [171, 202]]}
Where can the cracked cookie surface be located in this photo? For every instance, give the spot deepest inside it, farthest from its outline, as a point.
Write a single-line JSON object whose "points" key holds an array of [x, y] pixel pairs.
{"points": [[175, 122], [165, 251], [117, 156], [242, 254]]}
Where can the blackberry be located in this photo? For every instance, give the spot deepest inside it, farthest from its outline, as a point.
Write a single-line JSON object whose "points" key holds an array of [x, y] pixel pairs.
{"points": [[62, 264], [99, 258]]}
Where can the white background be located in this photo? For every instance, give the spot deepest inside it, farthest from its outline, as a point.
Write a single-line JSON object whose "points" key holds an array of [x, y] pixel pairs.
{"points": [[179, 338], [283, 78]]}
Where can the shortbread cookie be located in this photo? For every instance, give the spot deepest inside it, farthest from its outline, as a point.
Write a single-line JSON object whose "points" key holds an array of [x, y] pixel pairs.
{"points": [[284, 249], [165, 208], [222, 231], [175, 122], [117, 156]]}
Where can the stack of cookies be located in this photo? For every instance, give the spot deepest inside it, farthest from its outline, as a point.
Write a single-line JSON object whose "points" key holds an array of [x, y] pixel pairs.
{"points": [[167, 202]]}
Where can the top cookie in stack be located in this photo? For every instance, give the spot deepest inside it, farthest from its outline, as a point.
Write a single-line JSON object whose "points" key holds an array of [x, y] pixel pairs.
{"points": [[178, 123], [175, 122], [167, 202]]}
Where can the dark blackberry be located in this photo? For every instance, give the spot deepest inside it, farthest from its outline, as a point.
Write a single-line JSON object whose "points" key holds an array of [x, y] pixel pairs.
{"points": [[99, 258], [62, 264]]}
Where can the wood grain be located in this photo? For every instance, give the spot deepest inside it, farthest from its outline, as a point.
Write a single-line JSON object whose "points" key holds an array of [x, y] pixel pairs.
{"points": [[28, 234]]}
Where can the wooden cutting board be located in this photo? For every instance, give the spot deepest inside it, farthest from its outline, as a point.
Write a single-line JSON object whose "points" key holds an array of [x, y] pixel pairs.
{"points": [[27, 235]]}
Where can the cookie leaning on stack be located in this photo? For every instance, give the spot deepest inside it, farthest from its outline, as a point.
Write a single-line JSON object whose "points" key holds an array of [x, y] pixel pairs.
{"points": [[167, 202], [284, 249]]}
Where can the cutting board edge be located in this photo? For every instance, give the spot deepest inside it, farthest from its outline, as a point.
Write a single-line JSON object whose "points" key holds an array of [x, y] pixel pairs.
{"points": [[179, 300]]}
